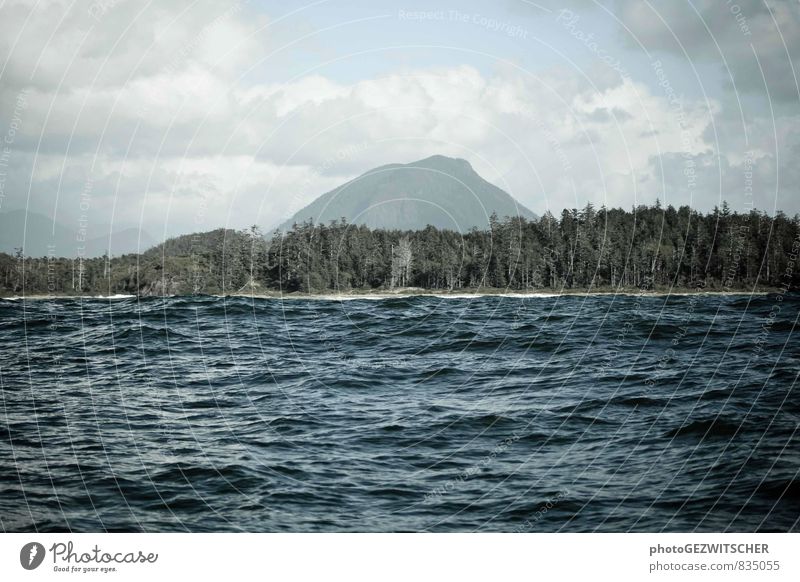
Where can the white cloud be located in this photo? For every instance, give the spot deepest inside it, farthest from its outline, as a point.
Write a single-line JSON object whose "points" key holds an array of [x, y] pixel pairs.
{"points": [[163, 119]]}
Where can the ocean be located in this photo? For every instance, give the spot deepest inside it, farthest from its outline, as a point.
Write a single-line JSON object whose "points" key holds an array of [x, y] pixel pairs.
{"points": [[510, 414]]}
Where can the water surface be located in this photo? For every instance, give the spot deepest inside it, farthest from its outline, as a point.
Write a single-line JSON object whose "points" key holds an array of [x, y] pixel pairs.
{"points": [[605, 413]]}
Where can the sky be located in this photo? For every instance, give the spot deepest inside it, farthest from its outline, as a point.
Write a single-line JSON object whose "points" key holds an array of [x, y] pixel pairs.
{"points": [[183, 116]]}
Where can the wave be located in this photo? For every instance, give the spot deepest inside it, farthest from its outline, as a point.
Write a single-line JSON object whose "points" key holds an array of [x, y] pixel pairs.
{"points": [[398, 412], [708, 428], [782, 489]]}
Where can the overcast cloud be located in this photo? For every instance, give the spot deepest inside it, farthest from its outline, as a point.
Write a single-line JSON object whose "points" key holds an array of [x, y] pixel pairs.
{"points": [[187, 116]]}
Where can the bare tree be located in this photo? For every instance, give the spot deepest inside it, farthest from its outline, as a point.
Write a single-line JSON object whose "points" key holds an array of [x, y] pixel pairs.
{"points": [[401, 263]]}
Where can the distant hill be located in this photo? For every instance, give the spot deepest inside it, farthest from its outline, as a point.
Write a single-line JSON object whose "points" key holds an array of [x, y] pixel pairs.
{"points": [[439, 191], [37, 234], [199, 243]]}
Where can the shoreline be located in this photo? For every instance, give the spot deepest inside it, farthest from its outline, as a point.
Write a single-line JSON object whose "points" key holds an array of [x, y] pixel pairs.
{"points": [[418, 292]]}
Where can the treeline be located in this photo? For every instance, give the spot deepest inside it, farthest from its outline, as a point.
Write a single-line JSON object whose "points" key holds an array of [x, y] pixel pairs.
{"points": [[646, 248]]}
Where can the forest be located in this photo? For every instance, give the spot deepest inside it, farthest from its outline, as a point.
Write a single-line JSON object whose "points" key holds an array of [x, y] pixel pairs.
{"points": [[646, 248]]}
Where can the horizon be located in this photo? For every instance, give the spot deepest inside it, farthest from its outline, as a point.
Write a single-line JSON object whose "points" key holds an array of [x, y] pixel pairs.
{"points": [[268, 233], [145, 240]]}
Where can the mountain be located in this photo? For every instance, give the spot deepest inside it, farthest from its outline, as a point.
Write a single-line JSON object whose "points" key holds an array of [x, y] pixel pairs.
{"points": [[40, 236], [439, 191]]}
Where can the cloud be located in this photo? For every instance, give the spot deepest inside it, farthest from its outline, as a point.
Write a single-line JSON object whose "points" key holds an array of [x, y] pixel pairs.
{"points": [[158, 111], [745, 37]]}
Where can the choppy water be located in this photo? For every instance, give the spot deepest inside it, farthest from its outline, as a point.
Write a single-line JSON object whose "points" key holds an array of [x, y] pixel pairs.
{"points": [[500, 414]]}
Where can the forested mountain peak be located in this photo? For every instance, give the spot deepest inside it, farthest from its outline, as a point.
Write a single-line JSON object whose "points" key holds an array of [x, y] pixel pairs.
{"points": [[439, 191]]}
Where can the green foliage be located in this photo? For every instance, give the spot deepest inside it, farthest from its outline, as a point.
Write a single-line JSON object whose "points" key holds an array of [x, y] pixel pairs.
{"points": [[648, 247]]}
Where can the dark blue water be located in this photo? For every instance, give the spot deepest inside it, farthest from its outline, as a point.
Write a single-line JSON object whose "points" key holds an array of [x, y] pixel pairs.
{"points": [[405, 414]]}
